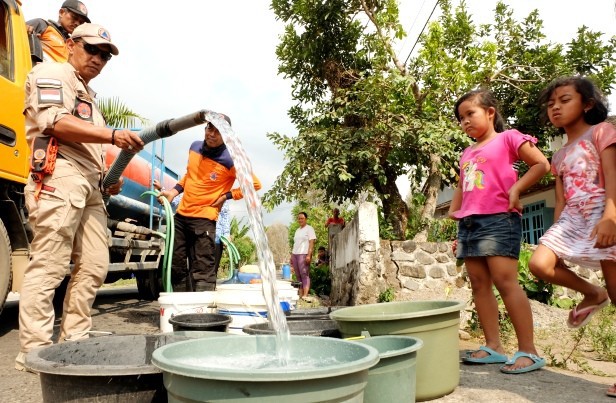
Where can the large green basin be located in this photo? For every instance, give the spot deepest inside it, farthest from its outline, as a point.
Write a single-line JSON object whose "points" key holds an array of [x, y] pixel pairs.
{"points": [[193, 372], [435, 323]]}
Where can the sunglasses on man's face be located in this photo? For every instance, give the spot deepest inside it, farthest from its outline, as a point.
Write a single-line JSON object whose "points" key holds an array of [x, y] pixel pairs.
{"points": [[93, 50]]}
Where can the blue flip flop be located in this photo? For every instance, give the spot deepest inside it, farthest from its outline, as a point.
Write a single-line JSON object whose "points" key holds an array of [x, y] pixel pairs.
{"points": [[538, 362], [492, 358]]}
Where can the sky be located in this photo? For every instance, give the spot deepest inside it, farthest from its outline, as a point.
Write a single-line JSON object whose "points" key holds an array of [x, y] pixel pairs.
{"points": [[180, 57]]}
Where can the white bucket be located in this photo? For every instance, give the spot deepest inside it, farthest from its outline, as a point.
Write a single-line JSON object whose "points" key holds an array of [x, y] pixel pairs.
{"points": [[246, 305], [175, 303]]}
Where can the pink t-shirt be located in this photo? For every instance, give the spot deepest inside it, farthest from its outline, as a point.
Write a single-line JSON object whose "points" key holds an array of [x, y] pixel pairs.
{"points": [[487, 174], [579, 164]]}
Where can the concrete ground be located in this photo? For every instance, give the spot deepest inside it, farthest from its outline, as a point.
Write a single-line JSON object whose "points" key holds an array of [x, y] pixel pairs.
{"points": [[120, 311]]}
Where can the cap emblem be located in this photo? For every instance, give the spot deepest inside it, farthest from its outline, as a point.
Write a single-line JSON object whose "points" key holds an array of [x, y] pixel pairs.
{"points": [[104, 34]]}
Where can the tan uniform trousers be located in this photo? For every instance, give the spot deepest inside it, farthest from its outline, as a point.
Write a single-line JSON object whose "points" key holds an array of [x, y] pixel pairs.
{"points": [[69, 223]]}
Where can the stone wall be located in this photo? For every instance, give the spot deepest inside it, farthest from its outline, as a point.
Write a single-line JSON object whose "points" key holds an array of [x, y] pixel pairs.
{"points": [[414, 266], [363, 266]]}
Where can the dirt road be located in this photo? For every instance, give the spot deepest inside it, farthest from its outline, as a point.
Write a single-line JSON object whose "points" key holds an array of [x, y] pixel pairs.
{"points": [[119, 311]]}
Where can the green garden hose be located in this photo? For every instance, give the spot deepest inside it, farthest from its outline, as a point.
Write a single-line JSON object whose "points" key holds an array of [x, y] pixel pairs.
{"points": [[234, 255], [169, 240]]}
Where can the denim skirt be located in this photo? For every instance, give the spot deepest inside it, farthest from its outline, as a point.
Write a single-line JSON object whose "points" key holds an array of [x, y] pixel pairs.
{"points": [[490, 235]]}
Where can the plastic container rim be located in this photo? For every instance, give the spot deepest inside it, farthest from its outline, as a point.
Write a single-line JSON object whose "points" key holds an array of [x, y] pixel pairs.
{"points": [[357, 314], [368, 360]]}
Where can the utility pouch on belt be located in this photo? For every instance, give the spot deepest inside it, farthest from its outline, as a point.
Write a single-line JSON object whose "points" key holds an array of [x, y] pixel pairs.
{"points": [[43, 160]]}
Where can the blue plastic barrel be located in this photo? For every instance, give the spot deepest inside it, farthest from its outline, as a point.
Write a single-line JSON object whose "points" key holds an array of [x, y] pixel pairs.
{"points": [[286, 272]]}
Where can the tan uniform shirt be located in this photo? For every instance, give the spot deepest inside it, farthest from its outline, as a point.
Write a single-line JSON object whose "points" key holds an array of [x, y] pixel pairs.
{"points": [[54, 90]]}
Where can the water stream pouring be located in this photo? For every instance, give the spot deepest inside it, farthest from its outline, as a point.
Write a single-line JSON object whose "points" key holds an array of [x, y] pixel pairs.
{"points": [[267, 267]]}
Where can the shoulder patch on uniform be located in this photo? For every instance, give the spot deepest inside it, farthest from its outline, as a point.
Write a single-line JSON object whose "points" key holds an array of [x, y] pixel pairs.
{"points": [[50, 95], [49, 91], [48, 82], [83, 110]]}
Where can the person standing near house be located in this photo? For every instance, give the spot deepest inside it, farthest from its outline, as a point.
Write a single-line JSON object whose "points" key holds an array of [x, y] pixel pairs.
{"points": [[335, 219], [334, 225], [322, 257], [301, 255], [584, 229], [53, 35], [207, 184], [487, 205]]}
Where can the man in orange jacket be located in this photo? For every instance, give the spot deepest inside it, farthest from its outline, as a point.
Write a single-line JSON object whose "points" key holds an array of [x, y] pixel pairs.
{"points": [[207, 184], [53, 35]]}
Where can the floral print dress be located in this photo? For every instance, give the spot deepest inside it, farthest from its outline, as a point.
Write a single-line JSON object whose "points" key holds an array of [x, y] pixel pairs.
{"points": [[579, 166]]}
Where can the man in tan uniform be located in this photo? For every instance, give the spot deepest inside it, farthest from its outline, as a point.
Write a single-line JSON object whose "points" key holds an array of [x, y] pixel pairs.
{"points": [[66, 207]]}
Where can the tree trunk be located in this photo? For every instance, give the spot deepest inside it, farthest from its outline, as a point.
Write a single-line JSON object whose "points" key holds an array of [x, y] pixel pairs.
{"points": [[394, 208], [432, 187]]}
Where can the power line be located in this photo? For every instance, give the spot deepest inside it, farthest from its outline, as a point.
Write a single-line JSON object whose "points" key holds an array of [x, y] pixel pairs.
{"points": [[413, 23], [422, 30]]}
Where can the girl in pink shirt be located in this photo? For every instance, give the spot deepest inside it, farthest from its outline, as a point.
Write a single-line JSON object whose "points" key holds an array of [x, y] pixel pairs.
{"points": [[487, 205]]}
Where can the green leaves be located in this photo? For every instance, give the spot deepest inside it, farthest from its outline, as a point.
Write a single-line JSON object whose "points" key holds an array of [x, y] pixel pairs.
{"points": [[238, 234], [117, 114]]}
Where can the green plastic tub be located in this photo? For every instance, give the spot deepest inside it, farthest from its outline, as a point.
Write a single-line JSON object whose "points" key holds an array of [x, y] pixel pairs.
{"points": [[329, 370], [435, 323], [393, 379]]}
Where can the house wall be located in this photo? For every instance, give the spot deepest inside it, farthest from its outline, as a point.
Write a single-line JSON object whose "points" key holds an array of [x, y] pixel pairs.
{"points": [[547, 195]]}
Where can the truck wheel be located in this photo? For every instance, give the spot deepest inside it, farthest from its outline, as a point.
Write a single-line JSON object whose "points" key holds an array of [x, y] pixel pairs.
{"points": [[6, 269], [149, 284]]}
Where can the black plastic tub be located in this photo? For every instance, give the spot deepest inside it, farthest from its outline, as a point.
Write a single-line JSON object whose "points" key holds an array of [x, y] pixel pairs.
{"points": [[105, 369], [213, 322], [323, 328]]}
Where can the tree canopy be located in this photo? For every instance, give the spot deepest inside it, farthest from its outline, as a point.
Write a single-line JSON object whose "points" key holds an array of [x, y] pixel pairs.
{"points": [[364, 117]]}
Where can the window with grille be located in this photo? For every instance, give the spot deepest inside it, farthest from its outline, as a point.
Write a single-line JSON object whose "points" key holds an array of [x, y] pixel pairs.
{"points": [[536, 219]]}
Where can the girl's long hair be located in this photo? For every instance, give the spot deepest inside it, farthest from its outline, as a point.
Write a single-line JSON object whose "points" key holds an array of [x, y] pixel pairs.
{"points": [[586, 88]]}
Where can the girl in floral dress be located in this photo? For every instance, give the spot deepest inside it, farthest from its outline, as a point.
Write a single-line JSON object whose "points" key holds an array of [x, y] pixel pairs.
{"points": [[585, 213]]}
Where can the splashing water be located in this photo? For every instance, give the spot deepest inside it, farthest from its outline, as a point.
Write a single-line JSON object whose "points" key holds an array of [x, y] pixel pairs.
{"points": [[267, 267]]}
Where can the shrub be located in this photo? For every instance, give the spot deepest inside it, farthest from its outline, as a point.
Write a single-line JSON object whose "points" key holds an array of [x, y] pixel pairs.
{"points": [[534, 288], [320, 280], [387, 296], [442, 230], [602, 333]]}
